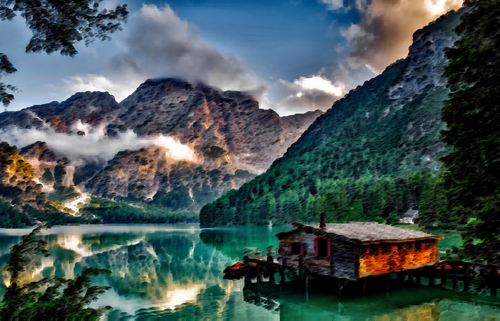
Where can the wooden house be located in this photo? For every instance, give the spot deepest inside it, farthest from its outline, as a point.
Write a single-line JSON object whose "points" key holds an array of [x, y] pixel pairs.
{"points": [[355, 250]]}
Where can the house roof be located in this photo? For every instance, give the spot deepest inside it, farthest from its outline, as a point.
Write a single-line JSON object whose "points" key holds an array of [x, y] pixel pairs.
{"points": [[363, 233], [410, 213]]}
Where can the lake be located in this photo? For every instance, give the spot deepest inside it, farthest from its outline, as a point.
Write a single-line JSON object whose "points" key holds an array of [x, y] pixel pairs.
{"points": [[175, 272]]}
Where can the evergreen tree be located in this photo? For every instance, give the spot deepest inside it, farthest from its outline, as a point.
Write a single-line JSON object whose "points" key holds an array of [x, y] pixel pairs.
{"points": [[57, 26], [25, 301], [472, 115]]}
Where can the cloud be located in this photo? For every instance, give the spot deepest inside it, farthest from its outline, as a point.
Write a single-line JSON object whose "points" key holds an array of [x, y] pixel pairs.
{"points": [[305, 94], [94, 144], [385, 29], [333, 4], [158, 44], [320, 90]]}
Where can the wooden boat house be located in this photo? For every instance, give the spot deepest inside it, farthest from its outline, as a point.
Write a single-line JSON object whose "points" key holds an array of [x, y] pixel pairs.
{"points": [[352, 251]]}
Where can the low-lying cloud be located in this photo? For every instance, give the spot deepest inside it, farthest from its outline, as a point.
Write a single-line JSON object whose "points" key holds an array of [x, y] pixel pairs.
{"points": [[94, 144], [158, 44]]}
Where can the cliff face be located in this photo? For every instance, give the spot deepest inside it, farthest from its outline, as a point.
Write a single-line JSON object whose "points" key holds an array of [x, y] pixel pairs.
{"points": [[183, 144], [366, 156], [23, 199]]}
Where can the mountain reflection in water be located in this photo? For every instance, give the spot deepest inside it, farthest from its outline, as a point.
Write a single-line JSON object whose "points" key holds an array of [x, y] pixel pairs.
{"points": [[175, 271]]}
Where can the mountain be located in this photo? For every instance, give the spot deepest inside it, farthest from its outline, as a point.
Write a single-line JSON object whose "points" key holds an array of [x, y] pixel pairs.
{"points": [[168, 149], [368, 158], [22, 196]]}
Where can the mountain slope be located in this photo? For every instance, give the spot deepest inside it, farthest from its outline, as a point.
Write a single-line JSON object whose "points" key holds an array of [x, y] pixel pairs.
{"points": [[370, 155], [170, 145]]}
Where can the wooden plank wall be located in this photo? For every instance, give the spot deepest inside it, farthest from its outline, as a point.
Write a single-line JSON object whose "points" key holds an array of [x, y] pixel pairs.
{"points": [[343, 257]]}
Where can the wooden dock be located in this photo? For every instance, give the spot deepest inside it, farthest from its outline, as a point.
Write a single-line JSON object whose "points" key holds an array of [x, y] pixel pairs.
{"points": [[474, 277]]}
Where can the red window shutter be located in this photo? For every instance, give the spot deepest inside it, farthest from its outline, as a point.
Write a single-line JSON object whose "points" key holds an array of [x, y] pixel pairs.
{"points": [[289, 248], [328, 248], [301, 248], [315, 247]]}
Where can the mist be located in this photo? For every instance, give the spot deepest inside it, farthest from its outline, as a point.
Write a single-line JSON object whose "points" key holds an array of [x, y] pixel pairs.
{"points": [[94, 144]]}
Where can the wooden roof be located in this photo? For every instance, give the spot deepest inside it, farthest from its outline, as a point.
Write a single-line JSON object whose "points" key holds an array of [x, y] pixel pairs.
{"points": [[364, 233]]}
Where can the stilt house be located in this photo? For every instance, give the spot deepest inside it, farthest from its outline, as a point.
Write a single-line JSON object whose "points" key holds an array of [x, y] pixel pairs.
{"points": [[355, 250]]}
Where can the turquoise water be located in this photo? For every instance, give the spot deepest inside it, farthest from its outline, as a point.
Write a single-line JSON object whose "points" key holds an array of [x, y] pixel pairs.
{"points": [[175, 272]]}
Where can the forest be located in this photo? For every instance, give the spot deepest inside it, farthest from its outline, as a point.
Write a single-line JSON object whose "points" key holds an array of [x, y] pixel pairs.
{"points": [[356, 162]]}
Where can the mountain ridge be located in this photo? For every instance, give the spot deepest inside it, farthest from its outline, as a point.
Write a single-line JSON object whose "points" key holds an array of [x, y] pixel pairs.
{"points": [[369, 157], [183, 144]]}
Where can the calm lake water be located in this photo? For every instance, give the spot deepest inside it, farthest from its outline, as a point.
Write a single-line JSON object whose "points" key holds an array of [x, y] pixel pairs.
{"points": [[175, 272]]}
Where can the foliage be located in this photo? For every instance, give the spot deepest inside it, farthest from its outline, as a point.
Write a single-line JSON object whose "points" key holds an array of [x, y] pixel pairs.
{"points": [[364, 158], [472, 178], [25, 300], [57, 26], [6, 67]]}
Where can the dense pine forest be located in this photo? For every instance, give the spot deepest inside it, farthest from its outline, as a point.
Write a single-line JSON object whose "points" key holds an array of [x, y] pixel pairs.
{"points": [[360, 161]]}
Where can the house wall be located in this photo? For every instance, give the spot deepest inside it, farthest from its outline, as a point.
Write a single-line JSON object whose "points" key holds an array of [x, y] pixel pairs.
{"points": [[394, 257], [342, 255]]}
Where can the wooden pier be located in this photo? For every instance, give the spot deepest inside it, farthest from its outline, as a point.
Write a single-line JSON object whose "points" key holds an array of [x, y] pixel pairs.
{"points": [[265, 265]]}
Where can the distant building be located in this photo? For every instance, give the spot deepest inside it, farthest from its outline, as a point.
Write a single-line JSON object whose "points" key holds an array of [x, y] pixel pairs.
{"points": [[410, 216]]}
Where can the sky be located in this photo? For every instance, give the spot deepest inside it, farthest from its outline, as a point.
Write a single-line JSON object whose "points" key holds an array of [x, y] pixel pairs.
{"points": [[291, 55]]}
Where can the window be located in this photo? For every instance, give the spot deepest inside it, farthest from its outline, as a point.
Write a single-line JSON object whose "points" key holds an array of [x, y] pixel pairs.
{"points": [[322, 247], [296, 248]]}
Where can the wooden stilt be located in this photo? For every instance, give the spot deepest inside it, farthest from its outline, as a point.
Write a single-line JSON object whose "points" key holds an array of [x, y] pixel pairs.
{"points": [[282, 276], [443, 275], [455, 277], [493, 282], [401, 277], [306, 281], [418, 279], [259, 276], [411, 276], [431, 276], [363, 286], [272, 279], [247, 277], [466, 277], [388, 282], [342, 283], [482, 278]]}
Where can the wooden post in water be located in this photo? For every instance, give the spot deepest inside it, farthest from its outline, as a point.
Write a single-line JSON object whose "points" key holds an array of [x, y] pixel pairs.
{"points": [[401, 276], [388, 281], [411, 276], [443, 275], [259, 277], [418, 278], [342, 283], [493, 282], [282, 276], [306, 281], [431, 276], [363, 286], [466, 277], [455, 277]]}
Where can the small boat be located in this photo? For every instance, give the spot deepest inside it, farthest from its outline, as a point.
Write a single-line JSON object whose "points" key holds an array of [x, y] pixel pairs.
{"points": [[237, 270], [237, 267]]}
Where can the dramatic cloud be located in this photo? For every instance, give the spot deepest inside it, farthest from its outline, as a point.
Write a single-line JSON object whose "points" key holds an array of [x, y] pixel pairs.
{"points": [[158, 44], [94, 143], [385, 29]]}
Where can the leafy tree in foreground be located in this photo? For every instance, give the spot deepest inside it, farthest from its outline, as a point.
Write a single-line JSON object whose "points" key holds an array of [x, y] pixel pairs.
{"points": [[472, 115], [24, 300], [57, 26]]}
